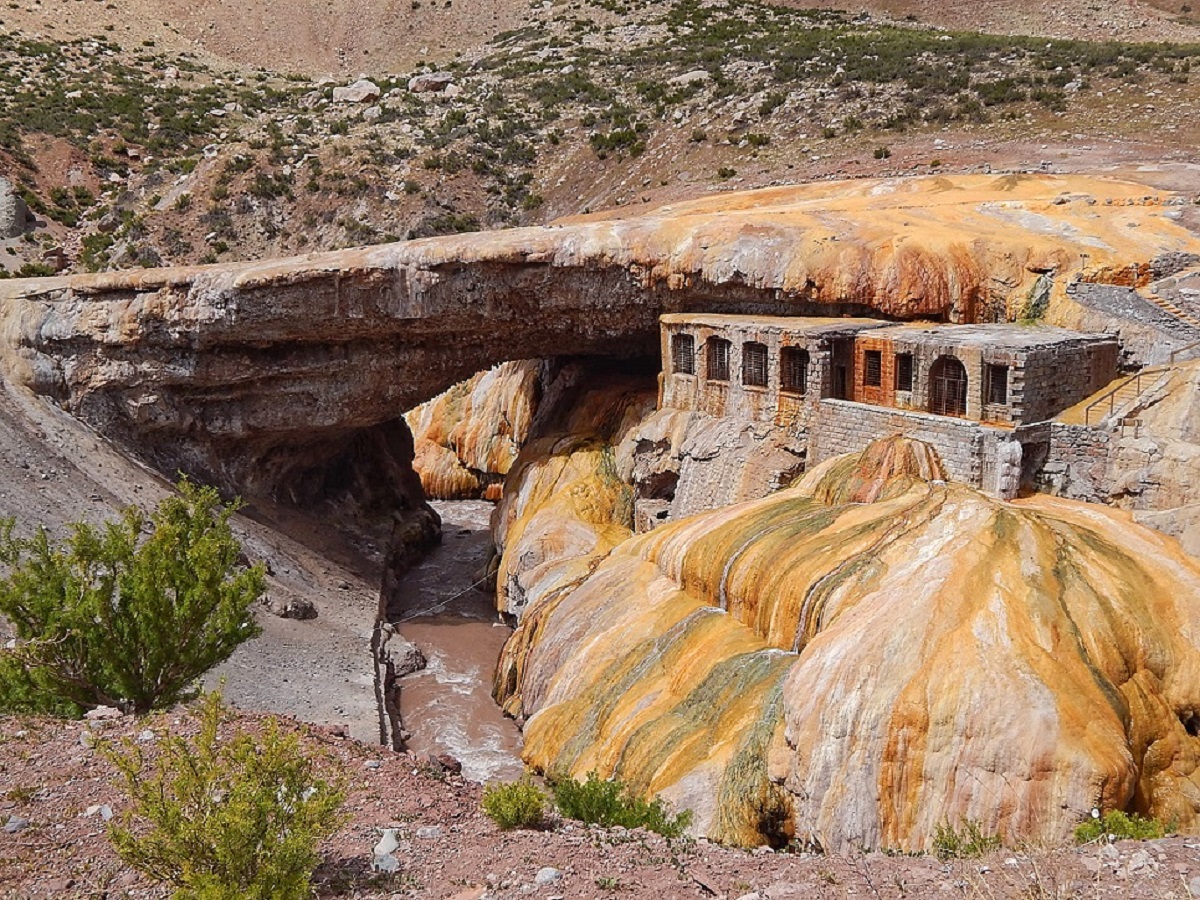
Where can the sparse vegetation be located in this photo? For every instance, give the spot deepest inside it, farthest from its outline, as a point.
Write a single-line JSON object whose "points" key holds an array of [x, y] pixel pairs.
{"points": [[1120, 826], [968, 842], [566, 81], [518, 804], [611, 802], [128, 614], [225, 815]]}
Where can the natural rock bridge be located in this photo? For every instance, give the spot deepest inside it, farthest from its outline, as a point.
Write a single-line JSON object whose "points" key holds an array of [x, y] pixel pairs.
{"points": [[286, 378]]}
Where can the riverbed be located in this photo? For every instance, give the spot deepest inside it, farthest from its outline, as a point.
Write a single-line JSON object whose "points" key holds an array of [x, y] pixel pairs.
{"points": [[448, 707]]}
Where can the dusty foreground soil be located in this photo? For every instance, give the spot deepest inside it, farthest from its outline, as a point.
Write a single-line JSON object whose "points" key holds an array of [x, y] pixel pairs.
{"points": [[50, 776]]}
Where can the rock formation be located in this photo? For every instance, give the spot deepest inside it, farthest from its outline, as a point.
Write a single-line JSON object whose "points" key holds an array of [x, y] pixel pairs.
{"points": [[1145, 457], [256, 375], [468, 437], [15, 218], [871, 654]]}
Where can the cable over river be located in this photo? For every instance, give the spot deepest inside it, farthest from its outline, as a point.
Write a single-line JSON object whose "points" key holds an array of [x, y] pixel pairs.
{"points": [[447, 707]]}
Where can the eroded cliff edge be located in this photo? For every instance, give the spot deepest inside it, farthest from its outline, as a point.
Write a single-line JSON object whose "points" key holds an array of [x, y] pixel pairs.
{"points": [[261, 376]]}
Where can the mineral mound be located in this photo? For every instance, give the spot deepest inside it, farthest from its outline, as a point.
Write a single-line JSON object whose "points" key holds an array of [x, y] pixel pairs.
{"points": [[872, 653]]}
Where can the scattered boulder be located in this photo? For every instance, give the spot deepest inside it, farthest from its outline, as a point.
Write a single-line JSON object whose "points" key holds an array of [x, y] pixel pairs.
{"points": [[361, 91], [103, 712], [15, 218], [432, 82], [444, 762], [55, 258], [548, 875], [409, 659], [15, 824], [291, 607], [694, 77], [384, 859]]}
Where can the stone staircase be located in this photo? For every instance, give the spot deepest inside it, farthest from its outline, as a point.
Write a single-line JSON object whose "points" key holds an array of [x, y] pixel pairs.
{"points": [[1172, 309], [1169, 293], [1122, 393]]}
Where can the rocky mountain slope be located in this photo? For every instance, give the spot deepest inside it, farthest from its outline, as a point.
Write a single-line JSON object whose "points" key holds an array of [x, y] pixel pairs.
{"points": [[138, 148]]}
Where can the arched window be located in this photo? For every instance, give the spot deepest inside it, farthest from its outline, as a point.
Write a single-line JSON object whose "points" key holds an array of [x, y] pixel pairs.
{"points": [[683, 354], [948, 387], [718, 359]]}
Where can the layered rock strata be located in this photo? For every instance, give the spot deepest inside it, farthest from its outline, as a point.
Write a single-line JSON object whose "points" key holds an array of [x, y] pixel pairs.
{"points": [[254, 375]]}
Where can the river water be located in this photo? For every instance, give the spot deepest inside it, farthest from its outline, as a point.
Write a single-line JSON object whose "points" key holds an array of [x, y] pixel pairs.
{"points": [[448, 707]]}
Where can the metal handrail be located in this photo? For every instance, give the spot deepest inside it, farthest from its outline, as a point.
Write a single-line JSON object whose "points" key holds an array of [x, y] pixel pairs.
{"points": [[1111, 395], [1136, 381], [1175, 354]]}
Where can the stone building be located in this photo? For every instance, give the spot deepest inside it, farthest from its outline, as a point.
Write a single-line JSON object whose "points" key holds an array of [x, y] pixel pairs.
{"points": [[978, 393]]}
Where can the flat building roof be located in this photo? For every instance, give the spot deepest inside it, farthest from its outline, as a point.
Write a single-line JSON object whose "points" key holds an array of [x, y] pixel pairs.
{"points": [[809, 325], [1002, 336], [994, 336]]}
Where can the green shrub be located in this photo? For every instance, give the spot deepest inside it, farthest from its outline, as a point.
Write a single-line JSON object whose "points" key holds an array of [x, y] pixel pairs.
{"points": [[1117, 825], [110, 618], [950, 843], [519, 804], [611, 803], [225, 816]]}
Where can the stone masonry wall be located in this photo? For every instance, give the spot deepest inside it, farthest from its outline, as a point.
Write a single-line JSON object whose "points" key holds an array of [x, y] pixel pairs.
{"points": [[1078, 465], [1050, 382], [979, 455]]}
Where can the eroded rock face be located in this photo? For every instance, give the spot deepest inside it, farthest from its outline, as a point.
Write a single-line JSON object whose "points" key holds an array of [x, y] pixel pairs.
{"points": [[15, 218], [248, 373], [1150, 466], [468, 437], [870, 654]]}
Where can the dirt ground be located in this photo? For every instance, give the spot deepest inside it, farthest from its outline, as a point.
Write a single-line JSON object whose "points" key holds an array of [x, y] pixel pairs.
{"points": [[51, 775]]}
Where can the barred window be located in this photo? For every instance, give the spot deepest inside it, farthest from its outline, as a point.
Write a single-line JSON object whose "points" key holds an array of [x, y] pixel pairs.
{"points": [[718, 359], [873, 368], [997, 377], [683, 354], [793, 370], [754, 364], [904, 372]]}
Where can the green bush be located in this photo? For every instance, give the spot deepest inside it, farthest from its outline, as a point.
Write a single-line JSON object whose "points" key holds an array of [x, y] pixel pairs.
{"points": [[950, 843], [519, 804], [110, 618], [611, 803], [225, 816], [1117, 825]]}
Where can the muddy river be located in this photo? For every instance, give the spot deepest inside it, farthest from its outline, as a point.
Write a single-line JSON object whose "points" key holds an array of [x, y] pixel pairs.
{"points": [[448, 707], [321, 670]]}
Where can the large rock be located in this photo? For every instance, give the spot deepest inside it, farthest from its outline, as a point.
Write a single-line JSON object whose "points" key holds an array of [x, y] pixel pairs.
{"points": [[272, 378], [869, 655], [431, 82], [359, 92], [15, 218]]}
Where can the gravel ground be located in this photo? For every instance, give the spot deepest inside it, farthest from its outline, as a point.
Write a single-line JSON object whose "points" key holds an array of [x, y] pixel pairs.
{"points": [[50, 777]]}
